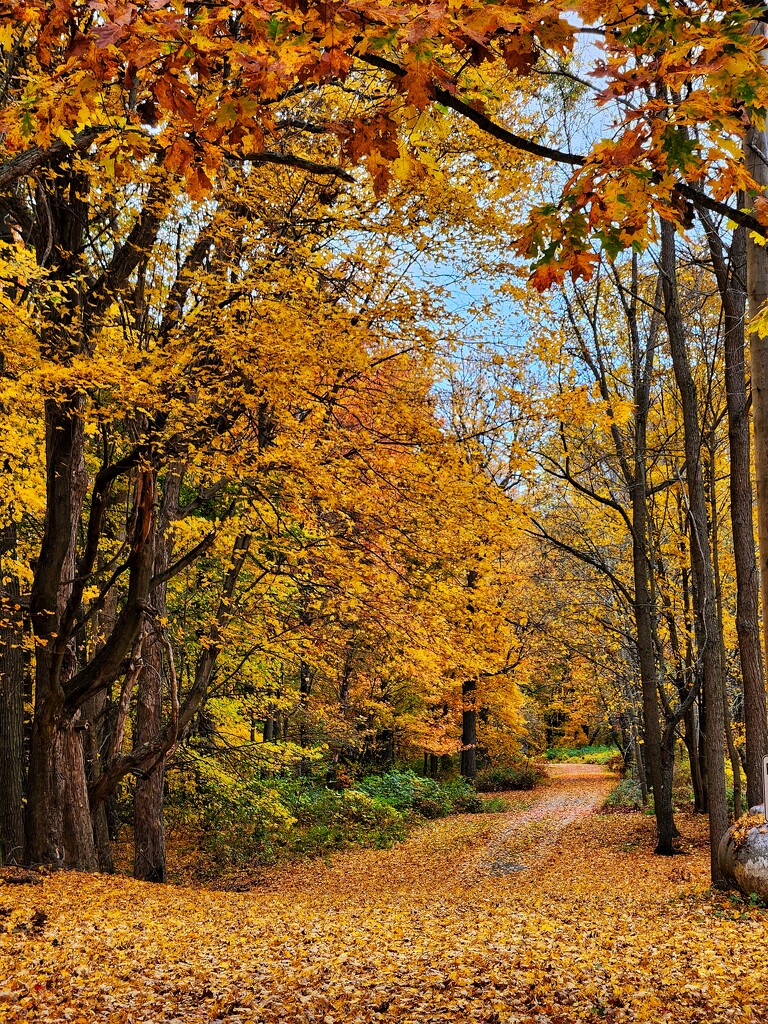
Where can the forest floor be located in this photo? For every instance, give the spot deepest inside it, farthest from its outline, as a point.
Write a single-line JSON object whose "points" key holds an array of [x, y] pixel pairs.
{"points": [[550, 913]]}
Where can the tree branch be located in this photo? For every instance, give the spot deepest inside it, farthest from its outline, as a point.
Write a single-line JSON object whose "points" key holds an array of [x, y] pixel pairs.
{"points": [[25, 163]]}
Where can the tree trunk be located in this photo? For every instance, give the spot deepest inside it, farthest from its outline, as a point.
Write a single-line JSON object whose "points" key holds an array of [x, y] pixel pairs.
{"points": [[644, 610], [691, 740], [469, 729], [94, 736], [149, 827], [731, 279], [756, 163], [11, 707], [58, 823], [704, 600], [714, 523], [642, 777]]}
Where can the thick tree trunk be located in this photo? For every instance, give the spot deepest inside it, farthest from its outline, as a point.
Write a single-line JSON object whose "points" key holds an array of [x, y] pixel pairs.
{"points": [[58, 823], [11, 707], [58, 828], [704, 600]]}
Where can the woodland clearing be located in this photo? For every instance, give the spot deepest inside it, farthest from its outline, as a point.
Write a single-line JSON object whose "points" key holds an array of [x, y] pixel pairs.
{"points": [[549, 913]]}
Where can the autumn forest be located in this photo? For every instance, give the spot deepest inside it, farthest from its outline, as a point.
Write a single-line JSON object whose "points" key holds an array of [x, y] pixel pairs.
{"points": [[383, 511]]}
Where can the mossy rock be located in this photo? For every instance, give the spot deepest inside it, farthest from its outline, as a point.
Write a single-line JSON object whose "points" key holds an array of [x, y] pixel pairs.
{"points": [[743, 854]]}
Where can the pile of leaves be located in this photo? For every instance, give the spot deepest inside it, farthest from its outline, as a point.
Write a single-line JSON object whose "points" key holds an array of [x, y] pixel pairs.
{"points": [[592, 927], [744, 826]]}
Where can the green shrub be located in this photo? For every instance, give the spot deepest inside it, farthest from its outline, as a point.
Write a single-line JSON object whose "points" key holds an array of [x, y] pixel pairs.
{"points": [[464, 797], [245, 821], [407, 791], [240, 821], [327, 820], [398, 789], [587, 755], [626, 796], [503, 777]]}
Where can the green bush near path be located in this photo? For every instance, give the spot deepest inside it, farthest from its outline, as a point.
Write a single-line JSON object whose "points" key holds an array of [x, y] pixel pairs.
{"points": [[582, 755], [626, 796], [503, 777], [407, 791], [251, 821]]}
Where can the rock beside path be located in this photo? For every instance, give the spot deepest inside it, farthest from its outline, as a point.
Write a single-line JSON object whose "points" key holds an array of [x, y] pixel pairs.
{"points": [[743, 855]]}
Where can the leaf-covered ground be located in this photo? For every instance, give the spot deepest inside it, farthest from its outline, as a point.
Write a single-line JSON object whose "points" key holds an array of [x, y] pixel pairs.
{"points": [[548, 914]]}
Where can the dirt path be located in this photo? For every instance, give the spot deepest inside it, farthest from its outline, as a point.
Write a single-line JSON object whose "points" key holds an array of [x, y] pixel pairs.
{"points": [[463, 849], [438, 930], [574, 792]]}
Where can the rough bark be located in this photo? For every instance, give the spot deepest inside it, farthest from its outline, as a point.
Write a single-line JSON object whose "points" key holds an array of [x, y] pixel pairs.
{"points": [[57, 807], [654, 756], [11, 707], [756, 162], [94, 713], [58, 823], [149, 829]]}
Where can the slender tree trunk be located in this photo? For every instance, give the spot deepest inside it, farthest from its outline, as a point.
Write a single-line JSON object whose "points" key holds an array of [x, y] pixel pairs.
{"points": [[149, 862], [642, 777], [11, 706], [691, 722], [657, 773], [704, 600], [731, 279], [94, 714], [306, 677], [469, 729], [714, 523], [756, 163], [149, 827]]}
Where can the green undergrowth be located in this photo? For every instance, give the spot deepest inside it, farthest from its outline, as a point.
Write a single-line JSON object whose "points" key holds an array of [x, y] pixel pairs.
{"points": [[237, 823], [505, 777], [626, 796], [583, 755]]}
